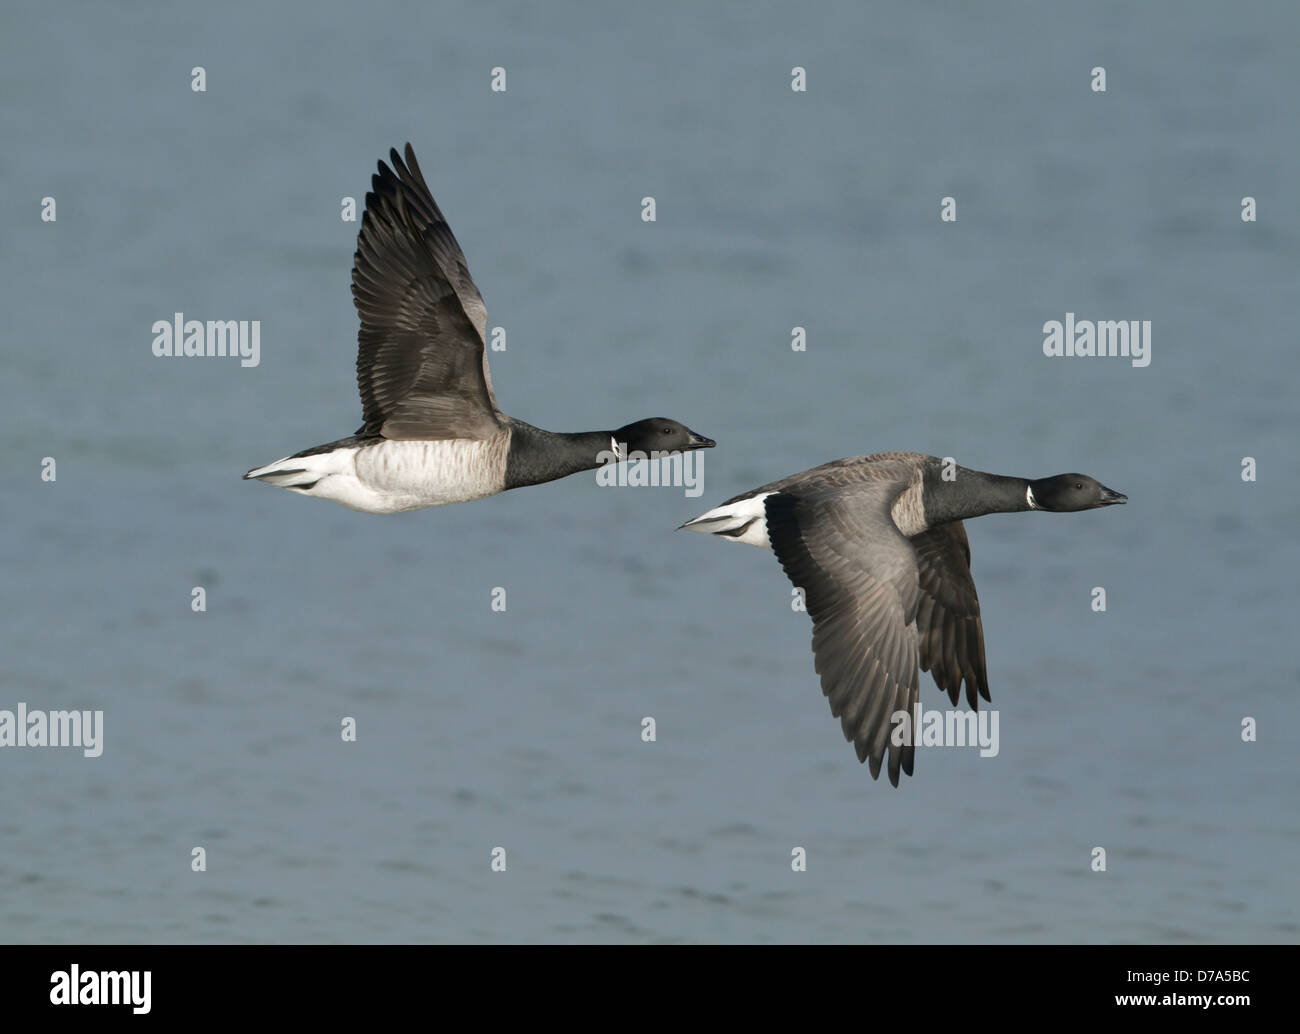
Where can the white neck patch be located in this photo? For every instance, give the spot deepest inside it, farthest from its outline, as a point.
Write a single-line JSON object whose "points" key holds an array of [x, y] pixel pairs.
{"points": [[1029, 498], [614, 447]]}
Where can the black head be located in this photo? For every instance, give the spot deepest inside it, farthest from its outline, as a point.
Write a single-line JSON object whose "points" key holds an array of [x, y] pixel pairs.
{"points": [[659, 434], [1066, 493]]}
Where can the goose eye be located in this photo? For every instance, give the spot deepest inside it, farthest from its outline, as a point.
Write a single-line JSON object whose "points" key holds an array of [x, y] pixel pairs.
{"points": [[1078, 484]]}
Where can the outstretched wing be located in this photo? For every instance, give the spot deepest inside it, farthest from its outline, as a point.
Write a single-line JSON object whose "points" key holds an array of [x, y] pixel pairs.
{"points": [[948, 616], [858, 575], [421, 362]]}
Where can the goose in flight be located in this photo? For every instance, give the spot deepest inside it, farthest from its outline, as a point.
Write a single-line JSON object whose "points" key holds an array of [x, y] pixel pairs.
{"points": [[432, 432], [877, 546]]}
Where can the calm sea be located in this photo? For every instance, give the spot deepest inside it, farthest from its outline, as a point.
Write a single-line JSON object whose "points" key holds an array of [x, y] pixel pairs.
{"points": [[480, 729]]}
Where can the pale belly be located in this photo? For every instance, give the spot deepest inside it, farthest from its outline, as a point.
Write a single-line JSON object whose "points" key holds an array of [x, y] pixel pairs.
{"points": [[393, 477]]}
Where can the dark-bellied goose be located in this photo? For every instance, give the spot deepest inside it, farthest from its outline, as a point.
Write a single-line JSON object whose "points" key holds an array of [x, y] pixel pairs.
{"points": [[433, 433], [877, 545]]}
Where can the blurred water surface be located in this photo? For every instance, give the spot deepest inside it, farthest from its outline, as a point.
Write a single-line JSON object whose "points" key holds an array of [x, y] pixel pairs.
{"points": [[521, 729]]}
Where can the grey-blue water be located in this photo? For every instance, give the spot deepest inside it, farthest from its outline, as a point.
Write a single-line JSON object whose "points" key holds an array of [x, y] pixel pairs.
{"points": [[521, 729]]}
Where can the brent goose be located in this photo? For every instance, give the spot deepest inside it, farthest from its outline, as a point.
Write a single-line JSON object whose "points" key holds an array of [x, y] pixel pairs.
{"points": [[877, 545], [433, 433]]}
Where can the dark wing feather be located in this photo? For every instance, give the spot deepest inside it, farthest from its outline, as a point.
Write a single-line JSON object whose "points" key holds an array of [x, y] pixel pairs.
{"points": [[948, 617], [421, 363], [858, 574]]}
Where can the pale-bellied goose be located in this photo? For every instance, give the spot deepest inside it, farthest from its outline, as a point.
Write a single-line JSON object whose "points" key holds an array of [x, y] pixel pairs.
{"points": [[877, 545], [433, 433]]}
